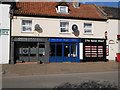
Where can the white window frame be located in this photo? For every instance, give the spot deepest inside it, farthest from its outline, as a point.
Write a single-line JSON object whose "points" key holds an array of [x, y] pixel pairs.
{"points": [[27, 25], [63, 12], [88, 28], [65, 27]]}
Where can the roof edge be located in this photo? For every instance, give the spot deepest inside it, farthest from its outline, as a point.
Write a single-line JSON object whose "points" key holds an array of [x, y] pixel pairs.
{"points": [[101, 11], [60, 17]]}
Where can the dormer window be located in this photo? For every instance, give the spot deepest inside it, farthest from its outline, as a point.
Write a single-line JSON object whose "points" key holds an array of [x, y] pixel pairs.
{"points": [[62, 9]]}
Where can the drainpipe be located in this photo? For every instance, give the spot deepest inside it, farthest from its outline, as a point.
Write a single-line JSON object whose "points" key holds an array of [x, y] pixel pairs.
{"points": [[11, 43]]}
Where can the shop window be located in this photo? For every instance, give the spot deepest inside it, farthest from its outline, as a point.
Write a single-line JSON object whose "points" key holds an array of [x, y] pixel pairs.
{"points": [[66, 51], [52, 50], [88, 28], [64, 27], [59, 50], [41, 50], [63, 9], [73, 50], [27, 26]]}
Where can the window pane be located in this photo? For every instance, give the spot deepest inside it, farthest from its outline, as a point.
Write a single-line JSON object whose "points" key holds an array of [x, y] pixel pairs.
{"points": [[62, 9], [87, 25], [52, 50], [64, 24], [32, 50], [66, 51], [41, 50], [59, 50], [73, 50], [27, 28], [64, 30], [87, 31], [26, 22]]}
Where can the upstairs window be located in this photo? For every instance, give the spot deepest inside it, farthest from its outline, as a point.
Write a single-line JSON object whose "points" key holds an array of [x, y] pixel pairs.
{"points": [[64, 26], [27, 26], [62, 9], [88, 28]]}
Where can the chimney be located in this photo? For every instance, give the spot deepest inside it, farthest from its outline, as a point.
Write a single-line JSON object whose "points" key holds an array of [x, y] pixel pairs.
{"points": [[75, 3]]}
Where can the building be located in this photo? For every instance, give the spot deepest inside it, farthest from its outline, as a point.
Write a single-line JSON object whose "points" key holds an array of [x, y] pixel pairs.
{"points": [[112, 13], [4, 33], [57, 32]]}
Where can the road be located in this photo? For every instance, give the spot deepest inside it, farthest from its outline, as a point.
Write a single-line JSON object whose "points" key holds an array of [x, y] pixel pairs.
{"points": [[51, 80]]}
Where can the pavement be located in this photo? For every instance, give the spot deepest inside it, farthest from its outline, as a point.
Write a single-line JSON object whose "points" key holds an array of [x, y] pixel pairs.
{"points": [[11, 70]]}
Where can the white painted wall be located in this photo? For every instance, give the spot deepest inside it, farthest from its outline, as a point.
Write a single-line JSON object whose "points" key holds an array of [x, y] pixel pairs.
{"points": [[4, 39], [51, 28], [112, 26]]}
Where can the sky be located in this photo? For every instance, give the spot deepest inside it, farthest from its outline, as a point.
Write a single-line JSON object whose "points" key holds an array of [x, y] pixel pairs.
{"points": [[112, 3]]}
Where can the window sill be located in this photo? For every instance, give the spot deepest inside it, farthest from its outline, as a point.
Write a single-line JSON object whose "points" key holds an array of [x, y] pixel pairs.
{"points": [[64, 33], [88, 34], [27, 32]]}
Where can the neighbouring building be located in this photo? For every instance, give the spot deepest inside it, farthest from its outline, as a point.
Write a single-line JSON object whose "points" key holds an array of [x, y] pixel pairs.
{"points": [[4, 33], [57, 32], [112, 13]]}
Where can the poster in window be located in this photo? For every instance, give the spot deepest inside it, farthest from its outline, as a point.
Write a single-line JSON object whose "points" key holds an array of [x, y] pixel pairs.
{"points": [[33, 50], [107, 50], [42, 51], [94, 51], [25, 50], [100, 51], [87, 51]]}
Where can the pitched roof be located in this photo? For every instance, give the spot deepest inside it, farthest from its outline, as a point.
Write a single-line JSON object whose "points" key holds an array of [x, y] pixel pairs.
{"points": [[49, 9], [112, 12]]}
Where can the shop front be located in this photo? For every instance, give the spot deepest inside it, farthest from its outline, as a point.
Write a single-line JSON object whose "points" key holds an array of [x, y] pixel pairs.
{"points": [[29, 49], [64, 50], [94, 50]]}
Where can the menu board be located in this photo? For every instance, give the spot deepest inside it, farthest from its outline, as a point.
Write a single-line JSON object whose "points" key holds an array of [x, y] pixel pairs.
{"points": [[100, 51], [93, 51]]}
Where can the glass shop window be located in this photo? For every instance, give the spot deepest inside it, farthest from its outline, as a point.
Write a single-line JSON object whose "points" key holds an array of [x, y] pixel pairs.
{"points": [[66, 51], [33, 50], [25, 51], [41, 50], [59, 50], [73, 50], [52, 50]]}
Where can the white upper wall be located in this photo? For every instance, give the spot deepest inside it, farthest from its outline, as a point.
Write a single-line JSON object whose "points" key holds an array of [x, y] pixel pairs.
{"points": [[51, 27], [4, 16]]}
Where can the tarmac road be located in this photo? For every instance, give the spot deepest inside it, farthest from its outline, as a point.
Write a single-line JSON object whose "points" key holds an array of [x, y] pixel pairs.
{"points": [[51, 80]]}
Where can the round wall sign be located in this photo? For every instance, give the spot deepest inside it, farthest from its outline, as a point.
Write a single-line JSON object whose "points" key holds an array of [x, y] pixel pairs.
{"points": [[74, 27]]}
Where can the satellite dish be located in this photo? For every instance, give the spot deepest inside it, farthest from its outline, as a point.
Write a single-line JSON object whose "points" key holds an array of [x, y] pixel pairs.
{"points": [[74, 27], [37, 27]]}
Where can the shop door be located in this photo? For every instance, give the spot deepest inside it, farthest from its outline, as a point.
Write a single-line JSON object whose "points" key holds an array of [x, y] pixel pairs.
{"points": [[66, 51], [33, 52]]}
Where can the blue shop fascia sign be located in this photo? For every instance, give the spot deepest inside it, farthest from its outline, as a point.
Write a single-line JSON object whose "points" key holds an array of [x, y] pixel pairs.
{"points": [[64, 40]]}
